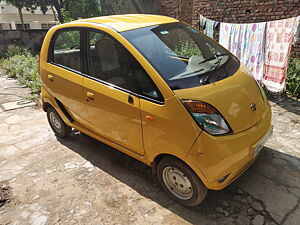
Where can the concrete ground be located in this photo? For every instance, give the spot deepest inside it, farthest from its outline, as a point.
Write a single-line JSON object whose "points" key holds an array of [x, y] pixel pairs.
{"points": [[46, 180]]}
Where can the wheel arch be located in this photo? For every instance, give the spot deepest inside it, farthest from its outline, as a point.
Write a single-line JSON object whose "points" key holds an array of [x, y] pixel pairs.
{"points": [[157, 159], [59, 108], [193, 167], [46, 105]]}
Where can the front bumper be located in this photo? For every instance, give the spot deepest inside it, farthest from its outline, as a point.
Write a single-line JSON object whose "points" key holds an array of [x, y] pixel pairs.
{"points": [[218, 161]]}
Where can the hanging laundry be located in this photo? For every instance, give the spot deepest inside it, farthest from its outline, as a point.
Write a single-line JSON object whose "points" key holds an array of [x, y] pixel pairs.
{"points": [[296, 30], [246, 41], [202, 21], [280, 35], [208, 26]]}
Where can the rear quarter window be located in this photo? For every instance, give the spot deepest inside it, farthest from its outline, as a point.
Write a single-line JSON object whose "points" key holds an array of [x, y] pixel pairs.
{"points": [[65, 49]]}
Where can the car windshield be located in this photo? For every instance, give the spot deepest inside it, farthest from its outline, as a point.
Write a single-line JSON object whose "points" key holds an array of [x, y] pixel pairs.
{"points": [[183, 56]]}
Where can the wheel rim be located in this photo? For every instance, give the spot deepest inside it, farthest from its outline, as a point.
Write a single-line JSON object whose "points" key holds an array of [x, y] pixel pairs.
{"points": [[177, 183], [55, 121]]}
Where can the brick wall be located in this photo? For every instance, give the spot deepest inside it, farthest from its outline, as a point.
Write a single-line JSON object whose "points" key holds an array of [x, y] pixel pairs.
{"points": [[179, 9], [234, 11]]}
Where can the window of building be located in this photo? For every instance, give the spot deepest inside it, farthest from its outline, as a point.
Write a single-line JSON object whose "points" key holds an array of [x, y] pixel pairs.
{"points": [[20, 27], [47, 25]]}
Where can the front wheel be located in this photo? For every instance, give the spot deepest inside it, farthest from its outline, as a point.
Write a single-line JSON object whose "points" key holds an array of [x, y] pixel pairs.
{"points": [[180, 182]]}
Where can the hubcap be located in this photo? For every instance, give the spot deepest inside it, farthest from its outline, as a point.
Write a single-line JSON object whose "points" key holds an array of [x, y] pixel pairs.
{"points": [[177, 183], [55, 122]]}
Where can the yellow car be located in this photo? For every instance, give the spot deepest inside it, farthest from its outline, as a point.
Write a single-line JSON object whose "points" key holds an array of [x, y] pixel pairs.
{"points": [[161, 92]]}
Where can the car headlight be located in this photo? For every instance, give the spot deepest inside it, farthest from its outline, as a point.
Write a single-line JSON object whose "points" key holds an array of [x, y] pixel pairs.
{"points": [[207, 117]]}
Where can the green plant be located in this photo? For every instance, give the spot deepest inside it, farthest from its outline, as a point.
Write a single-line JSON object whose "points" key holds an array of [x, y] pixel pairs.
{"points": [[17, 50], [20, 64], [66, 15], [187, 50], [293, 77], [2, 54]]}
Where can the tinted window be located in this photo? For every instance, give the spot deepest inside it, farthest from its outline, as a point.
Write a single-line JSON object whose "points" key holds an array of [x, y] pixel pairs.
{"points": [[66, 49], [183, 56], [109, 61]]}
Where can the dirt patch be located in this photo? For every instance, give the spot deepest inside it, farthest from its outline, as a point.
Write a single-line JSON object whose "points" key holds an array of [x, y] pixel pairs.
{"points": [[4, 193]]}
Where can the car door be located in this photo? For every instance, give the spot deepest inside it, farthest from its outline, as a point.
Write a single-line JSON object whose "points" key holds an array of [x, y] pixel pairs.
{"points": [[111, 95], [63, 73]]}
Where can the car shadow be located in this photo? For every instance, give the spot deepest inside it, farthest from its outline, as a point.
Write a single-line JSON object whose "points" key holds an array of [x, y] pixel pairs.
{"points": [[286, 102], [139, 177]]}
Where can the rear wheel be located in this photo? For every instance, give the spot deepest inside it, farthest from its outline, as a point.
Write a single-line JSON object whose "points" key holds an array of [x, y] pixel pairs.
{"points": [[180, 182], [57, 124]]}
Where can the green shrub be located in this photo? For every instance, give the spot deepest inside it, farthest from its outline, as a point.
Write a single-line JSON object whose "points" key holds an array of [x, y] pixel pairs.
{"points": [[293, 77], [13, 50], [2, 54], [187, 50], [20, 64]]}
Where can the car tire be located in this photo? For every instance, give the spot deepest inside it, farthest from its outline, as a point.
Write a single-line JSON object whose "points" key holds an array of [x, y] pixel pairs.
{"points": [[58, 126], [180, 182]]}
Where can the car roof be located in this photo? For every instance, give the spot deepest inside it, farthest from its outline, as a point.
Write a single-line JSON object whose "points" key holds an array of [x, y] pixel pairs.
{"points": [[126, 22]]}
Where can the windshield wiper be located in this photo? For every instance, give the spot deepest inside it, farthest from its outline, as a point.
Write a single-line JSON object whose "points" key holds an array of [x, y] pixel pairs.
{"points": [[215, 65], [205, 81], [208, 59], [212, 58], [221, 54], [178, 56]]}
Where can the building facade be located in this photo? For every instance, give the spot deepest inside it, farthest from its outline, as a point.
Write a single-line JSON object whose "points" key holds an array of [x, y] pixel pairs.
{"points": [[35, 19]]}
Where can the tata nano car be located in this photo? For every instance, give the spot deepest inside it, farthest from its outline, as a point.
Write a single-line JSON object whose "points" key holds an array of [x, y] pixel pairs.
{"points": [[161, 92]]}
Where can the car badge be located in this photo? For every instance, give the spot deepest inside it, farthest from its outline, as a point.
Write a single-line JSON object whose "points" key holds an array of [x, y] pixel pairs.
{"points": [[253, 107]]}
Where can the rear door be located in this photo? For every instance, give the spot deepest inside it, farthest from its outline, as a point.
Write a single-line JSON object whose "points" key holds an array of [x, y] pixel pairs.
{"points": [[63, 73], [112, 92]]}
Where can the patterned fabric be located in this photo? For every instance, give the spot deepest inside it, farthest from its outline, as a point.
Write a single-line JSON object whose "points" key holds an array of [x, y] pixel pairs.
{"points": [[280, 35], [247, 42]]}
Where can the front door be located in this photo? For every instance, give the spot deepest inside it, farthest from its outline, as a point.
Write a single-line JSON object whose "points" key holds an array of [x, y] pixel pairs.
{"points": [[113, 108]]}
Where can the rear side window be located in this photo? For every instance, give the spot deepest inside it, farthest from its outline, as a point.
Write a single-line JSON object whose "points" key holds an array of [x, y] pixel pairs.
{"points": [[65, 49]]}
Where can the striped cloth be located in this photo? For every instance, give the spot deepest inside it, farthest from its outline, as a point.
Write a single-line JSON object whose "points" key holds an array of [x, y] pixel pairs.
{"points": [[279, 39]]}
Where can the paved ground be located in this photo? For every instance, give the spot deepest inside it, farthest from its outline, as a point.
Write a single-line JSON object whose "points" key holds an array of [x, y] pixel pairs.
{"points": [[45, 180]]}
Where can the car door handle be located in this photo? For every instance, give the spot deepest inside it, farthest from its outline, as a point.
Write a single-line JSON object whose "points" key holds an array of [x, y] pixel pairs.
{"points": [[130, 99], [90, 95], [50, 77]]}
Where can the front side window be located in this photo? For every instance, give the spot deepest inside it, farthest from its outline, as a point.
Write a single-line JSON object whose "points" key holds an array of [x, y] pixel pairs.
{"points": [[183, 56], [66, 49], [109, 61]]}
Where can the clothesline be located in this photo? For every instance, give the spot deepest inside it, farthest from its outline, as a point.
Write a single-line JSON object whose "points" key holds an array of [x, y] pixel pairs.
{"points": [[263, 47], [206, 25]]}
